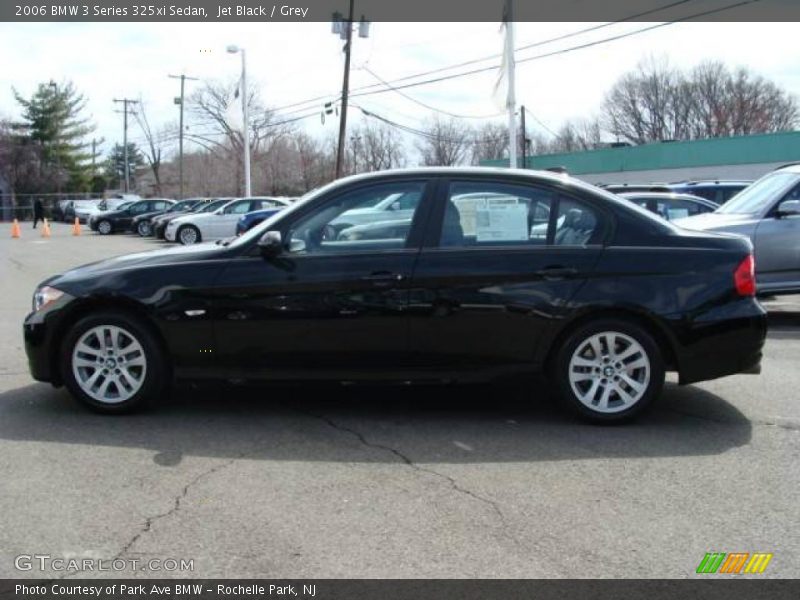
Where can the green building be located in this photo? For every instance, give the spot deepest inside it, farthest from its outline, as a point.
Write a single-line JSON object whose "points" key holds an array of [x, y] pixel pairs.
{"points": [[739, 157]]}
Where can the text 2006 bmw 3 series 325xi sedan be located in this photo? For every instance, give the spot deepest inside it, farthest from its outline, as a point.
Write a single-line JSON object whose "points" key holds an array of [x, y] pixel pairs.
{"points": [[464, 275]]}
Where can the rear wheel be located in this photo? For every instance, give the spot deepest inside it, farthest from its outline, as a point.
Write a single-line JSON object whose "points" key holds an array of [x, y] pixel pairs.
{"points": [[143, 228], [609, 370], [112, 363], [189, 234], [104, 227]]}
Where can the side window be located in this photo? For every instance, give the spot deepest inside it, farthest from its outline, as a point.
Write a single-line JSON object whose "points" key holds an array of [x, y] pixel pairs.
{"points": [[140, 208], [161, 205], [357, 220], [239, 208], [576, 224], [488, 213]]}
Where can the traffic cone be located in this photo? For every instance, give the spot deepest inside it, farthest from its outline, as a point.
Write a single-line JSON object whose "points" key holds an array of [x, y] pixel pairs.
{"points": [[46, 229], [15, 230], [76, 227]]}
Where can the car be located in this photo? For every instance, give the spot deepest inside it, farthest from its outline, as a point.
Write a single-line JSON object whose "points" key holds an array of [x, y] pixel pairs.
{"points": [[114, 221], [671, 206], [768, 213], [142, 224], [718, 191], [159, 224], [79, 209], [605, 303], [249, 220], [199, 227], [87, 210], [619, 188]]}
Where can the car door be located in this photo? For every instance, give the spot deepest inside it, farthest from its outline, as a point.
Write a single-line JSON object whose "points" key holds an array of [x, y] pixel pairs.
{"points": [[136, 209], [224, 225], [496, 271], [777, 247], [325, 307]]}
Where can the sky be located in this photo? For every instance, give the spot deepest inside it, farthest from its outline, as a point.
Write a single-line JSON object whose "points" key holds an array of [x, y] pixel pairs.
{"points": [[294, 62]]}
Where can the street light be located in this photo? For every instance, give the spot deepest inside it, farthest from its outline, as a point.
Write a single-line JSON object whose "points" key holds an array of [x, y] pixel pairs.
{"points": [[233, 49]]}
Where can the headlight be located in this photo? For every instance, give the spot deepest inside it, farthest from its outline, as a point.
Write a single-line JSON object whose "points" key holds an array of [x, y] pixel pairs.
{"points": [[44, 296]]}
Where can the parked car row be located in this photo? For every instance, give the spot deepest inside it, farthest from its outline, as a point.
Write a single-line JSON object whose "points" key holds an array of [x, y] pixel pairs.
{"points": [[189, 221]]}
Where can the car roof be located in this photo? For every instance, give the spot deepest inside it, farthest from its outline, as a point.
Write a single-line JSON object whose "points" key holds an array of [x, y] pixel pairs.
{"points": [[712, 182]]}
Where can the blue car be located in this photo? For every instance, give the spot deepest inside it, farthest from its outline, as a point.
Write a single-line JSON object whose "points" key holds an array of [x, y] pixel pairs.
{"points": [[251, 219]]}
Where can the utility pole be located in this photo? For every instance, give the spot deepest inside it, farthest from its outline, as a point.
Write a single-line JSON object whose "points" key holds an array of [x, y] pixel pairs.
{"points": [[179, 101], [524, 137], [508, 18], [347, 35], [125, 102]]}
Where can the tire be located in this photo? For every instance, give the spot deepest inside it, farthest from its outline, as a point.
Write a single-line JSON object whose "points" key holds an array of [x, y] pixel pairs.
{"points": [[188, 234], [133, 372], [603, 386], [105, 227], [143, 229]]}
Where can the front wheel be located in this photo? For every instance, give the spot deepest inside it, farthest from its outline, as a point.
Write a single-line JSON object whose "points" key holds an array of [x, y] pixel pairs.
{"points": [[189, 234], [609, 370], [143, 228], [104, 227], [112, 363]]}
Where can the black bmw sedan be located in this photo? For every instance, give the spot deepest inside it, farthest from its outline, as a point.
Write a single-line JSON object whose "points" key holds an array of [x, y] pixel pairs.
{"points": [[500, 272]]}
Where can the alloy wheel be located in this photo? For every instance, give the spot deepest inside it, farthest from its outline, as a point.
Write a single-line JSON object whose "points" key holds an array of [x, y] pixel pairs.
{"points": [[143, 228], [609, 372], [188, 235], [109, 364], [104, 227]]}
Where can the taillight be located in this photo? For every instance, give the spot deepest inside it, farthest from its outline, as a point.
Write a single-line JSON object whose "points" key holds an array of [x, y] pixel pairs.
{"points": [[744, 278]]}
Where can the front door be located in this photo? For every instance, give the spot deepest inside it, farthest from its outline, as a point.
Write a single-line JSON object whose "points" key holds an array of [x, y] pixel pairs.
{"points": [[502, 264], [333, 304], [777, 248]]}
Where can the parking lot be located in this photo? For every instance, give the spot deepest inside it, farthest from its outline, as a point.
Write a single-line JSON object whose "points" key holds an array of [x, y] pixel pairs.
{"points": [[462, 481]]}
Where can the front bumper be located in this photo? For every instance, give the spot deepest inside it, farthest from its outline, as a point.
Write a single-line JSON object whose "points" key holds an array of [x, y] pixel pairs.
{"points": [[169, 233], [41, 334]]}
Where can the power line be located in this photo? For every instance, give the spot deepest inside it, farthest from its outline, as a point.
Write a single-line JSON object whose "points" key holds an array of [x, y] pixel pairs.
{"points": [[363, 89], [562, 51]]}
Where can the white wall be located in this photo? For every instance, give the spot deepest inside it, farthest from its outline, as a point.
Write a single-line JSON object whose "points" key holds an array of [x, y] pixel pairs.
{"points": [[750, 171]]}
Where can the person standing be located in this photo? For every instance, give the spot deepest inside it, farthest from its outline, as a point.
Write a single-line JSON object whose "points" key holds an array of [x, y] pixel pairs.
{"points": [[38, 211]]}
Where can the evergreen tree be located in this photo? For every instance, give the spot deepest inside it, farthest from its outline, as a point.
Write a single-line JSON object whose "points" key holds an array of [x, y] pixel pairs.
{"points": [[115, 164], [53, 121]]}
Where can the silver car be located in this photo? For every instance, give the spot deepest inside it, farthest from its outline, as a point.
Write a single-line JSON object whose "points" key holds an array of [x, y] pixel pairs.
{"points": [[768, 212]]}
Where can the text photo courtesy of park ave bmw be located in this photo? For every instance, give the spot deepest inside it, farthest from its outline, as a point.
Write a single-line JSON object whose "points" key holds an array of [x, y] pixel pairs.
{"points": [[361, 299]]}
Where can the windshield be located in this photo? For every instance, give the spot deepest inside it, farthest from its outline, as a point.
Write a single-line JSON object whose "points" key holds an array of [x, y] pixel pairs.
{"points": [[182, 205], [757, 198], [124, 205]]}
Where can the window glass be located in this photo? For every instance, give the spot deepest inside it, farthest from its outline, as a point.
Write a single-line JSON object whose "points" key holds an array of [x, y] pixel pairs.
{"points": [[239, 208], [139, 208], [576, 224], [487, 213], [360, 220], [762, 194]]}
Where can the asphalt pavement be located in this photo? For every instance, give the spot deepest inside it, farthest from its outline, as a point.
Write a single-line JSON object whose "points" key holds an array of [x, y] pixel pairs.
{"points": [[451, 482]]}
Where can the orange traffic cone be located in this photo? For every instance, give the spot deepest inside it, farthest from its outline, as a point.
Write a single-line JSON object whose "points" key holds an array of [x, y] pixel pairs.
{"points": [[46, 229], [15, 230], [76, 227]]}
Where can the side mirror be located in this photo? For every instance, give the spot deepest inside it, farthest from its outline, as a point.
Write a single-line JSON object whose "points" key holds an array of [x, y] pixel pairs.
{"points": [[788, 208], [271, 244]]}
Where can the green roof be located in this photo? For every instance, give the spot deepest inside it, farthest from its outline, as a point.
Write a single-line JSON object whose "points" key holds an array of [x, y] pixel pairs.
{"points": [[738, 150]]}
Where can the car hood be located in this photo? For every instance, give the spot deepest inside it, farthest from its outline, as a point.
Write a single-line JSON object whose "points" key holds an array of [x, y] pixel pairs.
{"points": [[151, 258], [192, 218], [714, 220], [111, 214]]}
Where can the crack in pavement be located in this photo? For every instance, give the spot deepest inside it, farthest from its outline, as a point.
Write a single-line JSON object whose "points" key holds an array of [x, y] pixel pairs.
{"points": [[505, 528]]}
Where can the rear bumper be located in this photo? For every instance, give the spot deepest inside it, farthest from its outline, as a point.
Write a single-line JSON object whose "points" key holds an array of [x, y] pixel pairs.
{"points": [[723, 341]]}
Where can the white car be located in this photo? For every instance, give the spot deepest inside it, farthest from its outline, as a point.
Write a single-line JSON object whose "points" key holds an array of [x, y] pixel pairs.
{"points": [[203, 227], [89, 208]]}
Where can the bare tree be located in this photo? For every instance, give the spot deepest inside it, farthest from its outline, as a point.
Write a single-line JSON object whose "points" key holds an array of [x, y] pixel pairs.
{"points": [[445, 142], [155, 143], [656, 103], [490, 142], [377, 146]]}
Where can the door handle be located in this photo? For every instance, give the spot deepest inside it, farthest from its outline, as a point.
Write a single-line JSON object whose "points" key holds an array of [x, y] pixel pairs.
{"points": [[556, 272], [383, 278]]}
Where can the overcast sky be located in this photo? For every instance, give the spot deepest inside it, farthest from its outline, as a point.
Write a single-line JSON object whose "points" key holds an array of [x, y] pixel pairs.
{"points": [[293, 62]]}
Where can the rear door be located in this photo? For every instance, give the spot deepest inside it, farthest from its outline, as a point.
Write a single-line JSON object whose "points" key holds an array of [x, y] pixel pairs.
{"points": [[501, 262]]}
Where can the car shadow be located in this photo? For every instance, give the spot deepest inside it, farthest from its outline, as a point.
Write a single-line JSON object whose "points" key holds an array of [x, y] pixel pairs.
{"points": [[452, 424]]}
